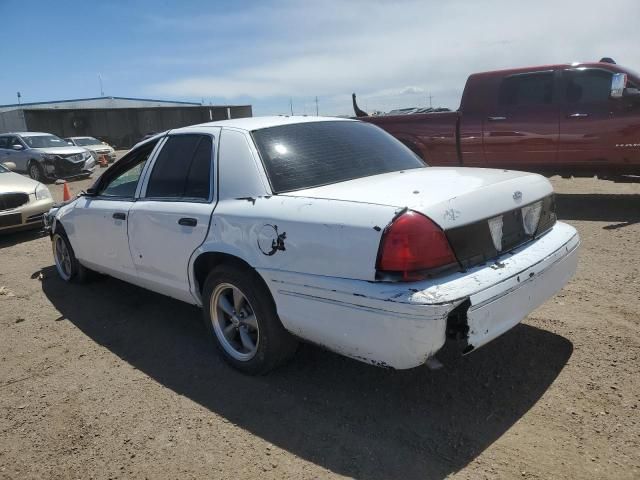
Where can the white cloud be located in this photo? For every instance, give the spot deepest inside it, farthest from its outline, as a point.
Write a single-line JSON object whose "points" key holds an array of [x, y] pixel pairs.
{"points": [[393, 54]]}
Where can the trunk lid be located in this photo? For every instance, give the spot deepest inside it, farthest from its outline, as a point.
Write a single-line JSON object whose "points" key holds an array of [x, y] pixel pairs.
{"points": [[451, 197]]}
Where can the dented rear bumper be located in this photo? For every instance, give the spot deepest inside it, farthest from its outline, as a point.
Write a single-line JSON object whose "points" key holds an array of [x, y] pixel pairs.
{"points": [[401, 325]]}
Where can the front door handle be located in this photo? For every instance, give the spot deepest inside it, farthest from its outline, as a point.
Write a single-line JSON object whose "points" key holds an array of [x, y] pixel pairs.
{"points": [[577, 115], [188, 222], [497, 119], [119, 216]]}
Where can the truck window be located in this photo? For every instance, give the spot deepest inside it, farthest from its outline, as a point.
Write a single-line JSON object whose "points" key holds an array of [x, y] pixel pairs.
{"points": [[527, 89], [587, 86], [182, 169]]}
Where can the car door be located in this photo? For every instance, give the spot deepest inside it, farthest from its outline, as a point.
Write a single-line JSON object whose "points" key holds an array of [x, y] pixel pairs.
{"points": [[521, 131], [5, 153], [18, 157], [171, 217], [596, 131], [98, 225]]}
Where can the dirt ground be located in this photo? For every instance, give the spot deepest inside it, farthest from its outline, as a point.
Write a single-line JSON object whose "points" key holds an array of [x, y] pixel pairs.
{"points": [[107, 380]]}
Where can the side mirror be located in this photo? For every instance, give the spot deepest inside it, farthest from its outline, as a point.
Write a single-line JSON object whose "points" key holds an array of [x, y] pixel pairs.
{"points": [[91, 192], [618, 84], [10, 165], [17, 147]]}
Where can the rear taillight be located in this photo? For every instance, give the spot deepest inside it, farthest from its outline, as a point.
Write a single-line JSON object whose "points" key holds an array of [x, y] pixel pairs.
{"points": [[412, 248]]}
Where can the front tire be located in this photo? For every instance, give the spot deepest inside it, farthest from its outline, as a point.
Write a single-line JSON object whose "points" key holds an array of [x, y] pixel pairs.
{"points": [[240, 315], [67, 265], [35, 171]]}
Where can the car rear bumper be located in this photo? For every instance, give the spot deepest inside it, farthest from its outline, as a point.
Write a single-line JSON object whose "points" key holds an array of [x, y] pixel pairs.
{"points": [[26, 216], [401, 325]]}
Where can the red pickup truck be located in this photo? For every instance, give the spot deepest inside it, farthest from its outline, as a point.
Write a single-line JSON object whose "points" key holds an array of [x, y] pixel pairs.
{"points": [[571, 119]]}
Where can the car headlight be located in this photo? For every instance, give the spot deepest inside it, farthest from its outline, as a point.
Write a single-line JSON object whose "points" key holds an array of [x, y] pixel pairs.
{"points": [[42, 192]]}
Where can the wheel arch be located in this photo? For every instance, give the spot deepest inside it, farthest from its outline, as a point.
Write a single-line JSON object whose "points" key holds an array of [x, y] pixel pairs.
{"points": [[207, 261]]}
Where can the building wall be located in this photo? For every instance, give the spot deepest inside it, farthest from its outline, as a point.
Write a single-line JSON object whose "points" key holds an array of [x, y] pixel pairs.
{"points": [[101, 102], [12, 121], [123, 127]]}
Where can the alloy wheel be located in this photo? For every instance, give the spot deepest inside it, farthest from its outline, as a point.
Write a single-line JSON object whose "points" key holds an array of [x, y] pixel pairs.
{"points": [[234, 322]]}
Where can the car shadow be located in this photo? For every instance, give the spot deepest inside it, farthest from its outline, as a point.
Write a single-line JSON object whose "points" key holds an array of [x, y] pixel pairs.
{"points": [[9, 239], [620, 208], [350, 418]]}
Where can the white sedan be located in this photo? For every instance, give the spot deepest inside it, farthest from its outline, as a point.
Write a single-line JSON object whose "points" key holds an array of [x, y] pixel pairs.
{"points": [[322, 229]]}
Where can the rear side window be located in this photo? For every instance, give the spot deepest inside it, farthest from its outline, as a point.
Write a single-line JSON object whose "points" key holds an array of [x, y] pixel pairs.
{"points": [[305, 155], [4, 142], [182, 169], [527, 89], [587, 86]]}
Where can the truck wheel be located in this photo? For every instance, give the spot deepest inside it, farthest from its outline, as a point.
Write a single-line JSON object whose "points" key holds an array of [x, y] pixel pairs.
{"points": [[68, 267], [35, 171], [241, 317]]}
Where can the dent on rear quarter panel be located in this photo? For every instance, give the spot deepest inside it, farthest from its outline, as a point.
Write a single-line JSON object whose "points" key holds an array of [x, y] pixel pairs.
{"points": [[317, 236]]}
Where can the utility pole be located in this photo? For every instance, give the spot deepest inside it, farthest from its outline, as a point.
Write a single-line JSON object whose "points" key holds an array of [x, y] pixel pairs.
{"points": [[430, 97], [19, 97], [101, 89], [291, 105], [317, 106]]}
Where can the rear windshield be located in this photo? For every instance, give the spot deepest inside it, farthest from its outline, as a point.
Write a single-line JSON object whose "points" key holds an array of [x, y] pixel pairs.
{"points": [[305, 155]]}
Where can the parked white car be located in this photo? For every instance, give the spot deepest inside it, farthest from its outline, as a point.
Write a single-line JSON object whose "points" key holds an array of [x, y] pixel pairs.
{"points": [[97, 147], [323, 229]]}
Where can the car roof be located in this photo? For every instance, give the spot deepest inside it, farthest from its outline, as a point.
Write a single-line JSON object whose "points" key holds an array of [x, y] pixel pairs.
{"points": [[256, 123]]}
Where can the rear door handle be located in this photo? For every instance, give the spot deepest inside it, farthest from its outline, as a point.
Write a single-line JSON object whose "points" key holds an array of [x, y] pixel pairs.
{"points": [[119, 216], [188, 222], [497, 119], [577, 115]]}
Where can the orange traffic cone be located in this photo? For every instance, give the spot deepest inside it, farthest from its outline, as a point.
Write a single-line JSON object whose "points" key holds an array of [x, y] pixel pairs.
{"points": [[66, 194], [102, 160]]}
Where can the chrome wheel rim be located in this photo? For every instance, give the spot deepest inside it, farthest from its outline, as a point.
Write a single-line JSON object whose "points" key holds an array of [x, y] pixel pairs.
{"points": [[62, 257], [34, 172], [234, 322]]}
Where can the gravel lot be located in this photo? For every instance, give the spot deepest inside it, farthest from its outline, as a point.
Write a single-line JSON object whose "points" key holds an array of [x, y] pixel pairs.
{"points": [[107, 380]]}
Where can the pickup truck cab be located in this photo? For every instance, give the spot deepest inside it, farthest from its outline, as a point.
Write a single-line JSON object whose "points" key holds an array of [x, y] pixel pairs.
{"points": [[570, 119]]}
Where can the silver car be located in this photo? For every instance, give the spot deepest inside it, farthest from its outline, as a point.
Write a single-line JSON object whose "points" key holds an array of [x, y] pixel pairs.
{"points": [[96, 147], [44, 156]]}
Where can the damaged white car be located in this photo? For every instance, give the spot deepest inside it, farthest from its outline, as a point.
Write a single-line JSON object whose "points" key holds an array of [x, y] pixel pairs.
{"points": [[327, 230]]}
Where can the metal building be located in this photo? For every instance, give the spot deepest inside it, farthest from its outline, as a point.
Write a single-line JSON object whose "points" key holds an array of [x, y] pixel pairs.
{"points": [[119, 121]]}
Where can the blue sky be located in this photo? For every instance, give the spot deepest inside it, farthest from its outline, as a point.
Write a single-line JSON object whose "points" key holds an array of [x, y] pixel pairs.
{"points": [[392, 53]]}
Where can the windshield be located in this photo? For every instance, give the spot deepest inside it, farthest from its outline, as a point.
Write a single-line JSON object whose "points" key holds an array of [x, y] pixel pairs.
{"points": [[44, 141], [306, 155], [87, 141]]}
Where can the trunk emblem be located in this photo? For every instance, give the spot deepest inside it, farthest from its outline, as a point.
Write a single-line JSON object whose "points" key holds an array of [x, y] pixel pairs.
{"points": [[517, 195], [495, 226]]}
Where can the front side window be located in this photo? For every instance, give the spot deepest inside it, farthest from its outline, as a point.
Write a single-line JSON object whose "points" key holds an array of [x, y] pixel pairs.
{"points": [[4, 142], [182, 169], [125, 181], [305, 155], [527, 89], [587, 86]]}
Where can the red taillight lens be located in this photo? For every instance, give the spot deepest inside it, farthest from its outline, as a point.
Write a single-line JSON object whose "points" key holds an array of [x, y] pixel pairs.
{"points": [[411, 246]]}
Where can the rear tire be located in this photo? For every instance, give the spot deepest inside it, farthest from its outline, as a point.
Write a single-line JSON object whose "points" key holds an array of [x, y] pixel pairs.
{"points": [[241, 317]]}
